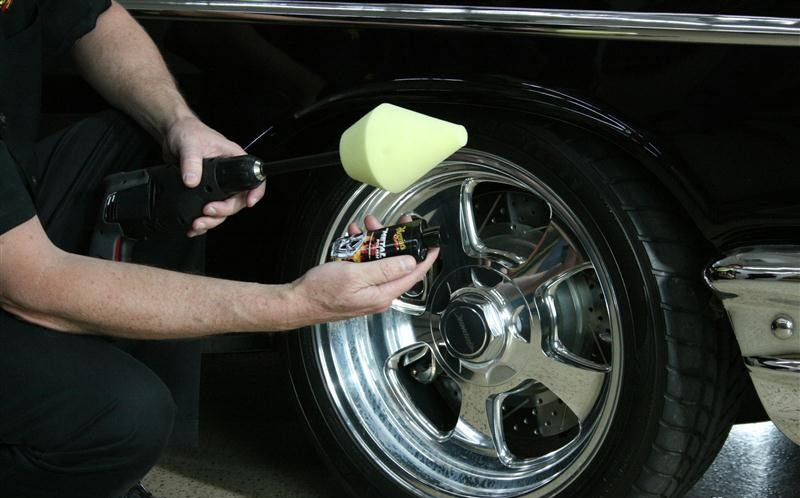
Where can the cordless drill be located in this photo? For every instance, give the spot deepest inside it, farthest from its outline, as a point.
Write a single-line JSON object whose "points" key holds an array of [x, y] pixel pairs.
{"points": [[153, 202], [389, 148]]}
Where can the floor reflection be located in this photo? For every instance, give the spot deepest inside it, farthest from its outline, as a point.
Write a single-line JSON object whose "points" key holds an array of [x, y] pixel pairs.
{"points": [[757, 461]]}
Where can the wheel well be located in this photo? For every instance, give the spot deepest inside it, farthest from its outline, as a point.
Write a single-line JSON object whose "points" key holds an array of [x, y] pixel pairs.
{"points": [[317, 128]]}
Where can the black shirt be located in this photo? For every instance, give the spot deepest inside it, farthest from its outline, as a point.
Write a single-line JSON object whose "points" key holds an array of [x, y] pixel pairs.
{"points": [[30, 32]]}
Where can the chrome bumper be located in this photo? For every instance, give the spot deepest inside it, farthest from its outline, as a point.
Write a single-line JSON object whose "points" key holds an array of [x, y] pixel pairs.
{"points": [[760, 289]]}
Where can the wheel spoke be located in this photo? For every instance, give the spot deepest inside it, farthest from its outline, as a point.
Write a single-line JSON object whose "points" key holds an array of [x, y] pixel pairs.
{"points": [[575, 381], [576, 386], [552, 318], [553, 255], [477, 423], [531, 284], [554, 250], [471, 243], [412, 307], [407, 329], [418, 359]]}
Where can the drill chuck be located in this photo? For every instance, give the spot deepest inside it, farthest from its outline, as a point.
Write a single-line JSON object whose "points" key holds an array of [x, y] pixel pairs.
{"points": [[234, 174]]}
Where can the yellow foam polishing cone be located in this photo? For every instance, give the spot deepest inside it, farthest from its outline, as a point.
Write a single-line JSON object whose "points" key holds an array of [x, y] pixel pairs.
{"points": [[392, 147]]}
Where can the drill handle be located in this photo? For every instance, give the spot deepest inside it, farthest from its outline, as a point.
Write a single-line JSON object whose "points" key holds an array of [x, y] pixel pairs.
{"points": [[174, 206], [124, 206]]}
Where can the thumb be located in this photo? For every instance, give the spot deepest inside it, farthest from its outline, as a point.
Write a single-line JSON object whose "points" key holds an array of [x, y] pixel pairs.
{"points": [[387, 270], [191, 169]]}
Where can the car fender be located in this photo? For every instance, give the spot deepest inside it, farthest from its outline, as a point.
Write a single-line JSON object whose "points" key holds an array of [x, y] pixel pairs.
{"points": [[313, 126]]}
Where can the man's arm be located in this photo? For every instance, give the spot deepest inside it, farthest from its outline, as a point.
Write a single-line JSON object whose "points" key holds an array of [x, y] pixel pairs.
{"points": [[66, 292], [119, 59], [71, 293]]}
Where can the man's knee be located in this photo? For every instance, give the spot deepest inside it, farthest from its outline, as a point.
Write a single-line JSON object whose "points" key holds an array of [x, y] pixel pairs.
{"points": [[147, 417], [126, 429], [97, 439]]}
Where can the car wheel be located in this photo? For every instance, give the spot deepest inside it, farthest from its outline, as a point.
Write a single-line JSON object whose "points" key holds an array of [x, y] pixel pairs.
{"points": [[562, 345]]}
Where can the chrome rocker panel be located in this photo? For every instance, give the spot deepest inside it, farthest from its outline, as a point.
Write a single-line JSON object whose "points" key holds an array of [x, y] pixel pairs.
{"points": [[760, 289], [593, 24]]}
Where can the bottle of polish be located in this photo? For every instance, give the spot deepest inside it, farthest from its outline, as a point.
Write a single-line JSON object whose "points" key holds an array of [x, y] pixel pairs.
{"points": [[413, 238]]}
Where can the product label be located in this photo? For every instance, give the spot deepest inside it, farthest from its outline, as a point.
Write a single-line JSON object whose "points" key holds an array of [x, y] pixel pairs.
{"points": [[366, 246], [380, 249], [346, 248], [383, 243], [399, 240]]}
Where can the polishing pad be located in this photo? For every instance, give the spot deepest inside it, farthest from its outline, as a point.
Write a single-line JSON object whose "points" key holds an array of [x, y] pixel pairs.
{"points": [[392, 147]]}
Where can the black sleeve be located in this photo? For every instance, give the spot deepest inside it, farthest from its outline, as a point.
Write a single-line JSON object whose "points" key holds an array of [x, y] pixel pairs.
{"points": [[64, 21], [16, 205]]}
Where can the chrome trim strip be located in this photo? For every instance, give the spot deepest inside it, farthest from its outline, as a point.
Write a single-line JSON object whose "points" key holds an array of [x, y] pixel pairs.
{"points": [[780, 263], [789, 365], [640, 26]]}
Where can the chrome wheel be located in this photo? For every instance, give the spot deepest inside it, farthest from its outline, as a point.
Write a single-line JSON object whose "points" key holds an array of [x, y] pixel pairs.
{"points": [[499, 375]]}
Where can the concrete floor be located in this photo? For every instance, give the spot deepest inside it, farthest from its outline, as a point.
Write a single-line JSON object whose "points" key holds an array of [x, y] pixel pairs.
{"points": [[252, 446]]}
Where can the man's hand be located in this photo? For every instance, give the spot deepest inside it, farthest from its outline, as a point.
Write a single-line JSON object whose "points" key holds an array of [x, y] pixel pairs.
{"points": [[190, 140], [122, 63], [340, 290]]}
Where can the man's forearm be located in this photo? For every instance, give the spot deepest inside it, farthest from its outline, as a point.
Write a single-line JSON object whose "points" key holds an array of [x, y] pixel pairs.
{"points": [[122, 63], [47, 286], [134, 301]]}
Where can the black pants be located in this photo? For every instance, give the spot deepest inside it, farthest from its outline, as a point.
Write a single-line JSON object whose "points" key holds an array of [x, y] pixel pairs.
{"points": [[85, 416]]}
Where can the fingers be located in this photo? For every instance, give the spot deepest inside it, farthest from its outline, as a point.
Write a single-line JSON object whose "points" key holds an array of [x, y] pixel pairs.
{"points": [[403, 283], [427, 264], [340, 290], [376, 273], [353, 229], [190, 140], [216, 212], [255, 195], [372, 223], [397, 274], [228, 207], [191, 169]]}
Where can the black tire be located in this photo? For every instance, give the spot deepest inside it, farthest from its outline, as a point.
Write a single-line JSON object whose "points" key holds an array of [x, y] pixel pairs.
{"points": [[678, 378]]}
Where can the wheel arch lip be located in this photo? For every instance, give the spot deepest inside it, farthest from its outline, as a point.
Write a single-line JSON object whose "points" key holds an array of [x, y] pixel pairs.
{"points": [[512, 97]]}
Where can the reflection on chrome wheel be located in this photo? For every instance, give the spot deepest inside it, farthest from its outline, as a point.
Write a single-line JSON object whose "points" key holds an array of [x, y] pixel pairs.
{"points": [[555, 349]]}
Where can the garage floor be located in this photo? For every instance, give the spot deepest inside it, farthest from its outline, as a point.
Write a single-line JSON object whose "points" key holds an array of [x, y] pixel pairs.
{"points": [[252, 446]]}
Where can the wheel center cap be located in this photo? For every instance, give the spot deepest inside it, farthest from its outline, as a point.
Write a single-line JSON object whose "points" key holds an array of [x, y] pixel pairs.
{"points": [[465, 330], [478, 316]]}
